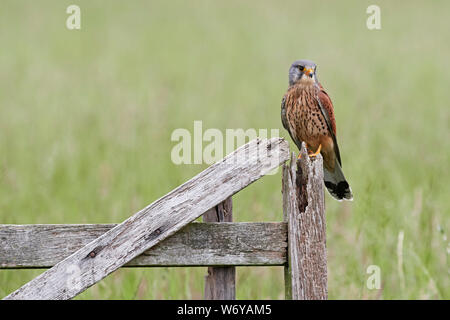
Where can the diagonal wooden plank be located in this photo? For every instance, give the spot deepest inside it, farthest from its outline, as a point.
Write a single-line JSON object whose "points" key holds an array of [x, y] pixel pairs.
{"points": [[197, 244], [157, 221]]}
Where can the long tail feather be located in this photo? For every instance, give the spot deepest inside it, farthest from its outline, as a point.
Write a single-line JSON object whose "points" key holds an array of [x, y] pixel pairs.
{"points": [[336, 183]]}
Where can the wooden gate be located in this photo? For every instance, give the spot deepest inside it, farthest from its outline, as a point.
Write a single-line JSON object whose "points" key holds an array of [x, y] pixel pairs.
{"points": [[164, 234]]}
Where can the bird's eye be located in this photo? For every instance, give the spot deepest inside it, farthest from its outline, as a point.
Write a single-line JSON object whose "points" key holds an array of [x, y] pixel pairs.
{"points": [[301, 68]]}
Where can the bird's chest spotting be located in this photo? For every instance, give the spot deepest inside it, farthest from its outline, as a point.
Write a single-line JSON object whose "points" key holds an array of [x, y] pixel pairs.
{"points": [[306, 117]]}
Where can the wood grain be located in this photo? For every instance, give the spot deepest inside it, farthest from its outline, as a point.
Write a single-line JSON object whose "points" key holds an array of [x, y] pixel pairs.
{"points": [[197, 244], [159, 220], [304, 210], [220, 282]]}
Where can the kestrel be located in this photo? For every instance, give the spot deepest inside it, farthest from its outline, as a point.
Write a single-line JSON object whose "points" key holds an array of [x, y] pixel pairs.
{"points": [[307, 114]]}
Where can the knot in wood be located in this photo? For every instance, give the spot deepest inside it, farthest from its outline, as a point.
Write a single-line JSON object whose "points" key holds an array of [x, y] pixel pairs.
{"points": [[154, 234]]}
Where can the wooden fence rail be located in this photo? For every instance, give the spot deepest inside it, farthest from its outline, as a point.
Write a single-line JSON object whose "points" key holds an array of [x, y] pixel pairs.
{"points": [[198, 244], [162, 234]]}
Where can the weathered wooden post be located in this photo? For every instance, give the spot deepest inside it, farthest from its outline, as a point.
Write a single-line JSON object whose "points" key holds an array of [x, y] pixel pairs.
{"points": [[220, 282], [304, 211]]}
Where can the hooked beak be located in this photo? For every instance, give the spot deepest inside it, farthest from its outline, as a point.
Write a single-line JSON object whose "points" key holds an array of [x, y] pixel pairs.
{"points": [[309, 71]]}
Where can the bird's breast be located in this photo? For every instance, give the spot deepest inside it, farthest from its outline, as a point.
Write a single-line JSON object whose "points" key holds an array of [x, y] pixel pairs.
{"points": [[304, 115]]}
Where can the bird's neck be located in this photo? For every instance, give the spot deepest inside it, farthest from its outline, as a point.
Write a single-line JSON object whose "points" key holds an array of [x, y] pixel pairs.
{"points": [[300, 86]]}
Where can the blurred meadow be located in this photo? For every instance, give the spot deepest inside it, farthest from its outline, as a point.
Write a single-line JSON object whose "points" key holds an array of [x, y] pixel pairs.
{"points": [[86, 118]]}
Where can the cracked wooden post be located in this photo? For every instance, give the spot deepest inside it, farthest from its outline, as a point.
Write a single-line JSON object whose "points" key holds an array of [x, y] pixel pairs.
{"points": [[220, 282], [304, 211]]}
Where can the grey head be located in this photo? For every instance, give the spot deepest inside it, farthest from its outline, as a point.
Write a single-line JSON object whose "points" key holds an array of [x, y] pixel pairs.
{"points": [[302, 70]]}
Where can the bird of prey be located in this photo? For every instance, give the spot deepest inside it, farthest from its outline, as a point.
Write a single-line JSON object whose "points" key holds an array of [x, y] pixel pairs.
{"points": [[307, 114]]}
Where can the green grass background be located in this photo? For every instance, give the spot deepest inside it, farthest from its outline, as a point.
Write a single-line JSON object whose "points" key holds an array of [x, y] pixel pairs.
{"points": [[86, 119]]}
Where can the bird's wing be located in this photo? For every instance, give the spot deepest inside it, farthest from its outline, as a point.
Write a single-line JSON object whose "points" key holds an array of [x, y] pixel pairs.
{"points": [[283, 114], [326, 107], [285, 122]]}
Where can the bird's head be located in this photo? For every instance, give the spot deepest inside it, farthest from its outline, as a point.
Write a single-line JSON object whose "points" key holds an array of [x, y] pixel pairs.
{"points": [[302, 71]]}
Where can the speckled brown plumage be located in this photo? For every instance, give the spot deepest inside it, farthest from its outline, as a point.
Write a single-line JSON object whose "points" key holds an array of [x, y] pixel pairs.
{"points": [[307, 114], [306, 122]]}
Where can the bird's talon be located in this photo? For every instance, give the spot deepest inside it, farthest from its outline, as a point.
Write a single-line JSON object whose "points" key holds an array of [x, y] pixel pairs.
{"points": [[317, 152]]}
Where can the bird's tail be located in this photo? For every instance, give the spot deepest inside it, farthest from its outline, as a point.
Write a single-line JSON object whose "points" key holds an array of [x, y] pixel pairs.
{"points": [[336, 184]]}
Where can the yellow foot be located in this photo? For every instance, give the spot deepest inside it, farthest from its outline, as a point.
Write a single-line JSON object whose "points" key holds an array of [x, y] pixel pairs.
{"points": [[317, 152], [299, 156]]}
